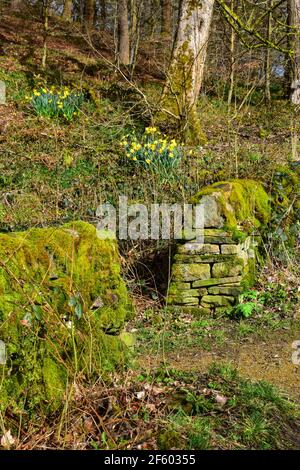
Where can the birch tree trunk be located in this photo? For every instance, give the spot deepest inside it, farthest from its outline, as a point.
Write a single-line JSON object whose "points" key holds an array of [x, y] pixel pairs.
{"points": [[67, 12], [294, 22], [267, 64], [185, 75], [123, 33], [232, 62], [166, 18], [46, 30]]}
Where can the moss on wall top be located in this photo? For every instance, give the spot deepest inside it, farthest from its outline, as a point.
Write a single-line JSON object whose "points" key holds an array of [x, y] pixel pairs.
{"points": [[243, 204]]}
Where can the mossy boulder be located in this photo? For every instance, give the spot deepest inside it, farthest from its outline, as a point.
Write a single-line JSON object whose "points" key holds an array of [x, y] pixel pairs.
{"points": [[242, 206], [63, 305]]}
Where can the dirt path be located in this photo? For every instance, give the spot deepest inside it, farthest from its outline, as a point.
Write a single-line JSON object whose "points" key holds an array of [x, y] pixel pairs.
{"points": [[257, 359]]}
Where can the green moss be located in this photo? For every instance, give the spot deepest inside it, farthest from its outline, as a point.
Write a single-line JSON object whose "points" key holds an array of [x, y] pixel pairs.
{"points": [[63, 305], [244, 204], [170, 439]]}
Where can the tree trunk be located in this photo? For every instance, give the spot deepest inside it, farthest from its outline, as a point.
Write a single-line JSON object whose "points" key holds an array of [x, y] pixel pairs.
{"points": [[46, 29], [267, 63], [294, 23], [123, 33], [89, 14], [67, 12], [185, 75], [166, 18], [294, 72], [16, 4], [232, 62], [103, 14]]}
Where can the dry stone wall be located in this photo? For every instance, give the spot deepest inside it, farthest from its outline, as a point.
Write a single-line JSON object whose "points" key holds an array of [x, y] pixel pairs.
{"points": [[211, 274]]}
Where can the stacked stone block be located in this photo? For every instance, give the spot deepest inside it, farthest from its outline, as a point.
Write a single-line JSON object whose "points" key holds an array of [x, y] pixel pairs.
{"points": [[210, 275]]}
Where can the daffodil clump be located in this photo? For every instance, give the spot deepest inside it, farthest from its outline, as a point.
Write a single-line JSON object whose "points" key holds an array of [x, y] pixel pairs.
{"points": [[152, 150], [56, 102]]}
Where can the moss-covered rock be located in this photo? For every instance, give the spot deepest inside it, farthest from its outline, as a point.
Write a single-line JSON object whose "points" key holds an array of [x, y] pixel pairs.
{"points": [[242, 206], [229, 269], [190, 272], [217, 281], [63, 304], [218, 300]]}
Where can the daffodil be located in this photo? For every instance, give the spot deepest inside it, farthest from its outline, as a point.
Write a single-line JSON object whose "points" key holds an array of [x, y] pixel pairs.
{"points": [[150, 130]]}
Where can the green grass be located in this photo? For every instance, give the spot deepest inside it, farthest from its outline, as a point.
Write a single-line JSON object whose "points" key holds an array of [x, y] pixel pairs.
{"points": [[255, 415], [170, 330], [71, 168]]}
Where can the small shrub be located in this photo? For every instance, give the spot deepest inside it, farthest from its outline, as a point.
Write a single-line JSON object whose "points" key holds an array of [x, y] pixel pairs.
{"points": [[56, 103], [247, 306]]}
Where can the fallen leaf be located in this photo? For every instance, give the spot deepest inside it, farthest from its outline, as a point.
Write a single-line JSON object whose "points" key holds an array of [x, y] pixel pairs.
{"points": [[7, 440], [221, 400]]}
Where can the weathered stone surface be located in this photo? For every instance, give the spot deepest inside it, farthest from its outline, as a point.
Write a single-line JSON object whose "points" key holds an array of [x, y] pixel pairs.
{"points": [[187, 293], [225, 290], [217, 281], [218, 300], [217, 258], [202, 291], [193, 248], [178, 286], [229, 249], [232, 284], [206, 305], [190, 272], [207, 236], [213, 232], [216, 236], [212, 216], [181, 300], [226, 269], [192, 234]]}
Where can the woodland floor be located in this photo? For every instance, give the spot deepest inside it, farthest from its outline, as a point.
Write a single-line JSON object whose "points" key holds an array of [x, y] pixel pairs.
{"points": [[51, 172]]}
